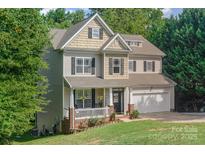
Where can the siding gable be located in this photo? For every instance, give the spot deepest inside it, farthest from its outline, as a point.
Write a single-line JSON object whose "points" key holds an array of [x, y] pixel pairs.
{"points": [[82, 40], [116, 45]]}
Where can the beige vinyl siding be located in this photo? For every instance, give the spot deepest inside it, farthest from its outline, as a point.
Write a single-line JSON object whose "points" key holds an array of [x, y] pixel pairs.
{"points": [[115, 45], [67, 62], [82, 40], [140, 64], [106, 67]]}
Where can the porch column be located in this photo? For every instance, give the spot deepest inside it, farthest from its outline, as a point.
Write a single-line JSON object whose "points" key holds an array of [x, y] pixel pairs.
{"points": [[130, 105], [71, 110], [126, 99], [111, 110]]}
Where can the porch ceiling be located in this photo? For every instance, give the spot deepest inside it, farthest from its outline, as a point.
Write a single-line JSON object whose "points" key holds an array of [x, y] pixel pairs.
{"points": [[135, 80]]}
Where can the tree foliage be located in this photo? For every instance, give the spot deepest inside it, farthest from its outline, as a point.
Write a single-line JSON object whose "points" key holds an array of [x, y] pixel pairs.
{"points": [[145, 22], [183, 40], [23, 34], [60, 18]]}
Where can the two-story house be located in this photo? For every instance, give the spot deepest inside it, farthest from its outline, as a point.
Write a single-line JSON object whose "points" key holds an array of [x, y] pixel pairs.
{"points": [[94, 71]]}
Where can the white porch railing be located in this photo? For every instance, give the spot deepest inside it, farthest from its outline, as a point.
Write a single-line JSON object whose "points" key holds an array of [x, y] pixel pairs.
{"points": [[91, 112]]}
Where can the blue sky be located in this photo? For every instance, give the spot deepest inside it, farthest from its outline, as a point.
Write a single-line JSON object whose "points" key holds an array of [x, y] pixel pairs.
{"points": [[172, 11], [167, 12]]}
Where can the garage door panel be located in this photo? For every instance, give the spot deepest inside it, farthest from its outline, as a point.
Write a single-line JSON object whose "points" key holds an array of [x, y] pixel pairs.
{"points": [[151, 102]]}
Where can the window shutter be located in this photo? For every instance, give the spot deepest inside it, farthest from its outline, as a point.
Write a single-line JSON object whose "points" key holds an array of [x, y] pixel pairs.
{"points": [[145, 66], [73, 65], [122, 66], [89, 32], [134, 66], [110, 66], [93, 65], [153, 66], [93, 98], [74, 98], [101, 33]]}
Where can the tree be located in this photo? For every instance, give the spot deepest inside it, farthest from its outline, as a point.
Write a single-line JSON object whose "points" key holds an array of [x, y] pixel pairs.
{"points": [[183, 40], [23, 34], [60, 18], [145, 22]]}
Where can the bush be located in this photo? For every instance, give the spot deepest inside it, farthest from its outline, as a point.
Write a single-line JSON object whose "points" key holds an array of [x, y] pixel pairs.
{"points": [[83, 124], [112, 116], [134, 114], [92, 122]]}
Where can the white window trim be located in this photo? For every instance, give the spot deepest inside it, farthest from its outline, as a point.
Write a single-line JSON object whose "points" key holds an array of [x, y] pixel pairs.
{"points": [[132, 65], [119, 65], [83, 96], [134, 43], [83, 73], [98, 32]]}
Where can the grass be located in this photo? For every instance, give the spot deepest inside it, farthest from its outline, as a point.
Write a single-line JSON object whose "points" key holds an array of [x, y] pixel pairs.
{"points": [[136, 132]]}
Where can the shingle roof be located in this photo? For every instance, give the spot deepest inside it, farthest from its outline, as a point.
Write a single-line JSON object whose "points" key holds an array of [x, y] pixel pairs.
{"points": [[61, 36], [135, 80], [71, 31], [56, 36], [147, 47]]}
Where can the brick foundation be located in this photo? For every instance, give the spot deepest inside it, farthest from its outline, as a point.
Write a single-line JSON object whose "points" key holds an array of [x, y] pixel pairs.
{"points": [[72, 118], [111, 109], [130, 107]]}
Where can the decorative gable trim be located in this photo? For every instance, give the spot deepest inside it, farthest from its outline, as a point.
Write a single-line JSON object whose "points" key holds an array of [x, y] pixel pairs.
{"points": [[122, 41], [96, 16]]}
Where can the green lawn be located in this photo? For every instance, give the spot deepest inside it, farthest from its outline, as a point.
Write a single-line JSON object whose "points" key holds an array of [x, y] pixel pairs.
{"points": [[138, 132]]}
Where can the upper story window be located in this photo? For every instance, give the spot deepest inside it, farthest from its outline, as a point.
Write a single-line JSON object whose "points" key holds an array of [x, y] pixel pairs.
{"points": [[82, 65], [149, 66], [132, 65], [134, 43], [116, 65], [95, 32]]}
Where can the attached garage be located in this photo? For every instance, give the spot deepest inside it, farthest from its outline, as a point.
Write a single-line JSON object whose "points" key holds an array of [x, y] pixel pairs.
{"points": [[146, 101]]}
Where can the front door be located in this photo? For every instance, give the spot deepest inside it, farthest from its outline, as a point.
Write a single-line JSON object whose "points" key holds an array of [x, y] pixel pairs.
{"points": [[117, 97]]}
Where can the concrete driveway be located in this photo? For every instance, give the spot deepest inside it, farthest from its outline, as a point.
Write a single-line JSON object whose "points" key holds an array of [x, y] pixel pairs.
{"points": [[174, 117]]}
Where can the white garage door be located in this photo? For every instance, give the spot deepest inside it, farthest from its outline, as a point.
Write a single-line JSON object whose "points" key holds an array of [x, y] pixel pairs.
{"points": [[151, 102]]}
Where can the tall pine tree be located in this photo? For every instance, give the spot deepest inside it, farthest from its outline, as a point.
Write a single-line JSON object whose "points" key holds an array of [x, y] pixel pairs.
{"points": [[183, 40], [23, 34], [144, 22]]}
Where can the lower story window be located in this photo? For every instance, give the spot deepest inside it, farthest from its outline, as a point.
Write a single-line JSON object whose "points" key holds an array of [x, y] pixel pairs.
{"points": [[83, 98]]}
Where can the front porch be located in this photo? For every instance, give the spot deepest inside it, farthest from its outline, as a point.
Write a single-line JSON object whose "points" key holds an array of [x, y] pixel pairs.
{"points": [[85, 103]]}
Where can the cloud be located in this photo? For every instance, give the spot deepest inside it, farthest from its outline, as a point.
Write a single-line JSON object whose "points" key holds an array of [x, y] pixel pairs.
{"points": [[167, 12]]}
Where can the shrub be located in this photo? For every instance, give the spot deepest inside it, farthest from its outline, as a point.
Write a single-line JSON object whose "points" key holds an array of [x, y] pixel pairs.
{"points": [[83, 124], [134, 114], [112, 116], [92, 122]]}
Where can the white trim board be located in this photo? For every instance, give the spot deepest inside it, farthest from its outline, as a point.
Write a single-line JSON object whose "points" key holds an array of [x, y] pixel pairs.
{"points": [[118, 35]]}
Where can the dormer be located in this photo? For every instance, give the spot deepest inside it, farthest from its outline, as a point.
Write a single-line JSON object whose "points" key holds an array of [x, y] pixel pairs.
{"points": [[134, 43]]}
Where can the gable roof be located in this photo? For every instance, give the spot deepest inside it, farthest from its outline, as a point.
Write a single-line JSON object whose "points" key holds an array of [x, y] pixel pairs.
{"points": [[114, 37], [61, 37], [75, 29], [147, 47], [56, 36]]}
